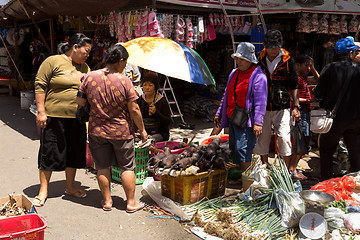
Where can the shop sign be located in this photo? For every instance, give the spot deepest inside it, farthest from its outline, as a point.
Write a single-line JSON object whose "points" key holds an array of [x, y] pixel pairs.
{"points": [[318, 6], [239, 5]]}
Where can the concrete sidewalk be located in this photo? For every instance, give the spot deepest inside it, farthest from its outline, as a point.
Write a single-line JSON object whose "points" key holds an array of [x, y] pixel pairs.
{"points": [[68, 217]]}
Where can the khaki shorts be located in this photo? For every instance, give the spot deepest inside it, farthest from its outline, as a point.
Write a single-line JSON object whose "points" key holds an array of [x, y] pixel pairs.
{"points": [[281, 121], [112, 153]]}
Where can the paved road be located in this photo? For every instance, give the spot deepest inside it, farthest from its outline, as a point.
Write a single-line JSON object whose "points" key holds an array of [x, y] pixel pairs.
{"points": [[68, 217]]}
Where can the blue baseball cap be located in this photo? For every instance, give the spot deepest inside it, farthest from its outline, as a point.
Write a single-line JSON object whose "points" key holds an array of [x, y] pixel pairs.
{"points": [[345, 45]]}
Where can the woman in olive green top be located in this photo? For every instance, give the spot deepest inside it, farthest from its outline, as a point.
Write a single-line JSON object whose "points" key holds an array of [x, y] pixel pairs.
{"points": [[63, 138]]}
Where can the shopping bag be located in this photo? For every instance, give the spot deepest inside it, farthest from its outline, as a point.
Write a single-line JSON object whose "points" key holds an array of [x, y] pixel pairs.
{"points": [[300, 146], [320, 120]]}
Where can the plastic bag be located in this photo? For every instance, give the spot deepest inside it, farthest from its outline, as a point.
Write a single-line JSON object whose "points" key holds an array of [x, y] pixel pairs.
{"points": [[300, 146], [291, 207], [340, 188], [352, 222], [154, 190], [334, 217]]}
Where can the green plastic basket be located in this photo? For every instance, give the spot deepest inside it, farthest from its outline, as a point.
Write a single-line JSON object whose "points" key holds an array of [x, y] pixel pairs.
{"points": [[141, 159]]}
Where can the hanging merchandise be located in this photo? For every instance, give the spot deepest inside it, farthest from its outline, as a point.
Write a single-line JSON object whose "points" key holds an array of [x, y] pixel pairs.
{"points": [[314, 23], [257, 37], [112, 21], [167, 24], [247, 28], [138, 24], [10, 36], [189, 33], [144, 23], [304, 24], [179, 29], [324, 24], [209, 33], [154, 27], [354, 23], [343, 24], [334, 25]]}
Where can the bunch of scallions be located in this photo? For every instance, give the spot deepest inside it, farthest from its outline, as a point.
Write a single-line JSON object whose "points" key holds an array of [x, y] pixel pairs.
{"points": [[247, 219]]}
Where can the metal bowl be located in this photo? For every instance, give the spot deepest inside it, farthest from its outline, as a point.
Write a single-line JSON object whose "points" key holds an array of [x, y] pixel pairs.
{"points": [[317, 197]]}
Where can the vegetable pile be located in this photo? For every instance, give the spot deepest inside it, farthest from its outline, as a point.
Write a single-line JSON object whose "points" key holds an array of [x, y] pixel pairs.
{"points": [[204, 158], [257, 218]]}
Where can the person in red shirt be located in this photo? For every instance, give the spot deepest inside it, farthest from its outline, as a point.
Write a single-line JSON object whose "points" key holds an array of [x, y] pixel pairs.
{"points": [[246, 88], [304, 64]]}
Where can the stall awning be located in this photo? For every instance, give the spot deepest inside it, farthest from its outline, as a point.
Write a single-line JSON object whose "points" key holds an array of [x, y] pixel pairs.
{"points": [[43, 9]]}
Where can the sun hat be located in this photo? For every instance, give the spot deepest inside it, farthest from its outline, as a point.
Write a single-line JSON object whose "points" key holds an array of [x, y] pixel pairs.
{"points": [[345, 45], [246, 51], [273, 39]]}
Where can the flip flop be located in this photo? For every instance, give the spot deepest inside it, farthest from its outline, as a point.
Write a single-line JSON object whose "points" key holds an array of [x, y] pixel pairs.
{"points": [[142, 205], [40, 203], [104, 207], [298, 176], [78, 193]]}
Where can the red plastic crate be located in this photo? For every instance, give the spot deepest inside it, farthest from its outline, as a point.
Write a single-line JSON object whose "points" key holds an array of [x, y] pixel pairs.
{"points": [[27, 227]]}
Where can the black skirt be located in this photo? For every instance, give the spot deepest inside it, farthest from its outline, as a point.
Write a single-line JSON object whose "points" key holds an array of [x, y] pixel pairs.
{"points": [[62, 145]]}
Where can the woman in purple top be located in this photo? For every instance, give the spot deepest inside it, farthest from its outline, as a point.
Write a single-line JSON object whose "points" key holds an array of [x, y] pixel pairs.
{"points": [[251, 94]]}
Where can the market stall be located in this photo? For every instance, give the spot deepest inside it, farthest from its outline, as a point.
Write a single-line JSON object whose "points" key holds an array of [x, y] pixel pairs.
{"points": [[273, 207]]}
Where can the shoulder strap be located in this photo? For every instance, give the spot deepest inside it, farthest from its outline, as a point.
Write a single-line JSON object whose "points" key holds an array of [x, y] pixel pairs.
{"points": [[343, 90], [236, 80]]}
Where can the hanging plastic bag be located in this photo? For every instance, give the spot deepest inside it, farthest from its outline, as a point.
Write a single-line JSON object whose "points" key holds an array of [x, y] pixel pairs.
{"points": [[291, 207], [300, 146]]}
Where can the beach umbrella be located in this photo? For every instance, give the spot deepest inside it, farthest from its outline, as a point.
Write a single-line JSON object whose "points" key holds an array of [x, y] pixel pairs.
{"points": [[170, 58]]}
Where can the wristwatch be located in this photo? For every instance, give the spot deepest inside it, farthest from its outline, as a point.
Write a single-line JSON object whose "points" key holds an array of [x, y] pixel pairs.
{"points": [[297, 106]]}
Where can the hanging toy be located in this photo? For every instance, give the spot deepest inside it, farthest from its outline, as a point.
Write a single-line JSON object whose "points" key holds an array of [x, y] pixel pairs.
{"points": [[324, 24], [334, 25], [354, 23], [314, 23], [343, 24], [303, 24]]}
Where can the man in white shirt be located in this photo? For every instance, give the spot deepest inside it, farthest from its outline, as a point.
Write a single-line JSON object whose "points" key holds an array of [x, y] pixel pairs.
{"points": [[280, 69]]}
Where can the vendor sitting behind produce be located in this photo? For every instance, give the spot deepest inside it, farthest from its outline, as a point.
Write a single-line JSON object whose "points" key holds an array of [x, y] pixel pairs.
{"points": [[154, 109]]}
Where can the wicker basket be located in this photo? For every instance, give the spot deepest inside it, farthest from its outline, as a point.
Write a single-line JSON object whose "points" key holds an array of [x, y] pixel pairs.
{"points": [[190, 189]]}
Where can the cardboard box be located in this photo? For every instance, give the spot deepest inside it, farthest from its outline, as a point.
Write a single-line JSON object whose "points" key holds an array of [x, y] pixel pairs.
{"points": [[21, 200]]}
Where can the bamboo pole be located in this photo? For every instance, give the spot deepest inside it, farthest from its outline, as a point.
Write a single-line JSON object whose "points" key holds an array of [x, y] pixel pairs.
{"points": [[261, 16], [36, 26], [229, 24], [52, 40]]}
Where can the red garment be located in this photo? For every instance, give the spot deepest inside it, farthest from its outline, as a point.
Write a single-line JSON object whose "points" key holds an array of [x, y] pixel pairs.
{"points": [[304, 92], [241, 89]]}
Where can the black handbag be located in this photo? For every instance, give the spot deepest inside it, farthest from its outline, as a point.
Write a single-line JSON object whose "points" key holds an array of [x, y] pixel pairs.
{"points": [[280, 95], [82, 113], [300, 146], [240, 116]]}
